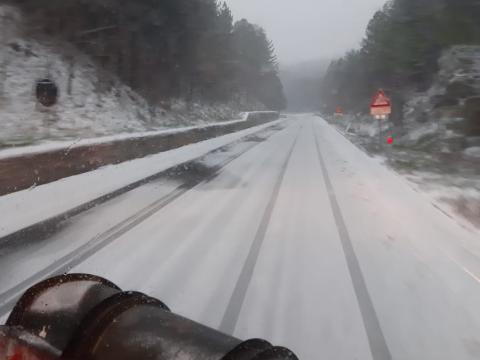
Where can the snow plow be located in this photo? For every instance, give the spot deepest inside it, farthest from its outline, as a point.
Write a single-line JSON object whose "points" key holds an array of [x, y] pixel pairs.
{"points": [[79, 316]]}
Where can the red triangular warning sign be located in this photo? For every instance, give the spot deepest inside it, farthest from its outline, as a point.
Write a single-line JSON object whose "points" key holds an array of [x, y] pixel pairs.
{"points": [[381, 100], [381, 104]]}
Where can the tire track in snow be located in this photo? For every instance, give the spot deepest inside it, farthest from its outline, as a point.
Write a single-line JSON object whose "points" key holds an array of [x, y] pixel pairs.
{"points": [[44, 229], [376, 338], [232, 312], [77, 256]]}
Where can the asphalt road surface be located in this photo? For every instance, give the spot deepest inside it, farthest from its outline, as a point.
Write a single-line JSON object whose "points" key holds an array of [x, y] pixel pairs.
{"points": [[291, 234]]}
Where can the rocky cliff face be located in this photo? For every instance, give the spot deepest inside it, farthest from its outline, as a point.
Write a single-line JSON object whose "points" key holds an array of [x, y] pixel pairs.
{"points": [[447, 117]]}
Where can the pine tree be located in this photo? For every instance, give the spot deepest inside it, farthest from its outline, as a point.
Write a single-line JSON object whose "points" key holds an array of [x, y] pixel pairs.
{"points": [[400, 51], [165, 49]]}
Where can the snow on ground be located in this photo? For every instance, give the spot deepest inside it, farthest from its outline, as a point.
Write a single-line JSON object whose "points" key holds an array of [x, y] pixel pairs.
{"points": [[27, 207], [422, 131], [421, 268], [347, 257], [457, 196], [454, 186], [473, 151], [97, 105]]}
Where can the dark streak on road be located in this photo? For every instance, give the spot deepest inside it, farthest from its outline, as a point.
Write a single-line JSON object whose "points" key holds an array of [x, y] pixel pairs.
{"points": [[376, 338], [232, 312]]}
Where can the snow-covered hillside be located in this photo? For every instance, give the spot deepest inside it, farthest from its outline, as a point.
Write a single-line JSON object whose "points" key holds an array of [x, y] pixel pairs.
{"points": [[438, 147], [91, 102], [424, 155], [445, 118]]}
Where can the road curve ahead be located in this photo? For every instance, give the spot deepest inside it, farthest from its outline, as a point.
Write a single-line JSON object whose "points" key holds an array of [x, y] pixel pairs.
{"points": [[306, 241]]}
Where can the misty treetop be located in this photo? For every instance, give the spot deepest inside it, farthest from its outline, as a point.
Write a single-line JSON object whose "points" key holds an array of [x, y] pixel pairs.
{"points": [[188, 49], [400, 51]]}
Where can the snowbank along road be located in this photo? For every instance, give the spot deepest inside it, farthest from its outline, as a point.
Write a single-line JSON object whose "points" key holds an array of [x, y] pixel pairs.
{"points": [[289, 233]]}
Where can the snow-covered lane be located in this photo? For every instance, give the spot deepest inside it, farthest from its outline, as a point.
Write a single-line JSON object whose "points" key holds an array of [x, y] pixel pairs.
{"points": [[27, 207], [306, 241], [55, 247], [301, 294], [422, 268], [417, 268], [190, 253]]}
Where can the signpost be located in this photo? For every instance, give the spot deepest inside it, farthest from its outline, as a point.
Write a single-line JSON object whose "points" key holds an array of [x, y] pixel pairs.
{"points": [[380, 108]]}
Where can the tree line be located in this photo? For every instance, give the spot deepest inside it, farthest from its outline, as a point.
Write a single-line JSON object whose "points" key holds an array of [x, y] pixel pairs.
{"points": [[188, 49], [400, 52]]}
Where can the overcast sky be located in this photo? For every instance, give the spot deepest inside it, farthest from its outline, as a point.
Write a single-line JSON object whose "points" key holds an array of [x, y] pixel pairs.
{"points": [[309, 29]]}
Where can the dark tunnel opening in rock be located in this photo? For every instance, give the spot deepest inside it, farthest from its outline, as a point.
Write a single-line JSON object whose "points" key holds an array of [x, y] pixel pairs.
{"points": [[47, 92]]}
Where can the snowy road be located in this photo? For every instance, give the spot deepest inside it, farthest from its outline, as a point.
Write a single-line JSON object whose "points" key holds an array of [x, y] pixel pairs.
{"points": [[291, 234]]}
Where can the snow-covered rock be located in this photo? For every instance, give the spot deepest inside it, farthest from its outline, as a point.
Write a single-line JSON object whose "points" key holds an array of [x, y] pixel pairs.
{"points": [[473, 152], [447, 112]]}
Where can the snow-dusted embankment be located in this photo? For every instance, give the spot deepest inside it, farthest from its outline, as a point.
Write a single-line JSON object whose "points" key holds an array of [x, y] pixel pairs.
{"points": [[92, 103], [39, 165]]}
